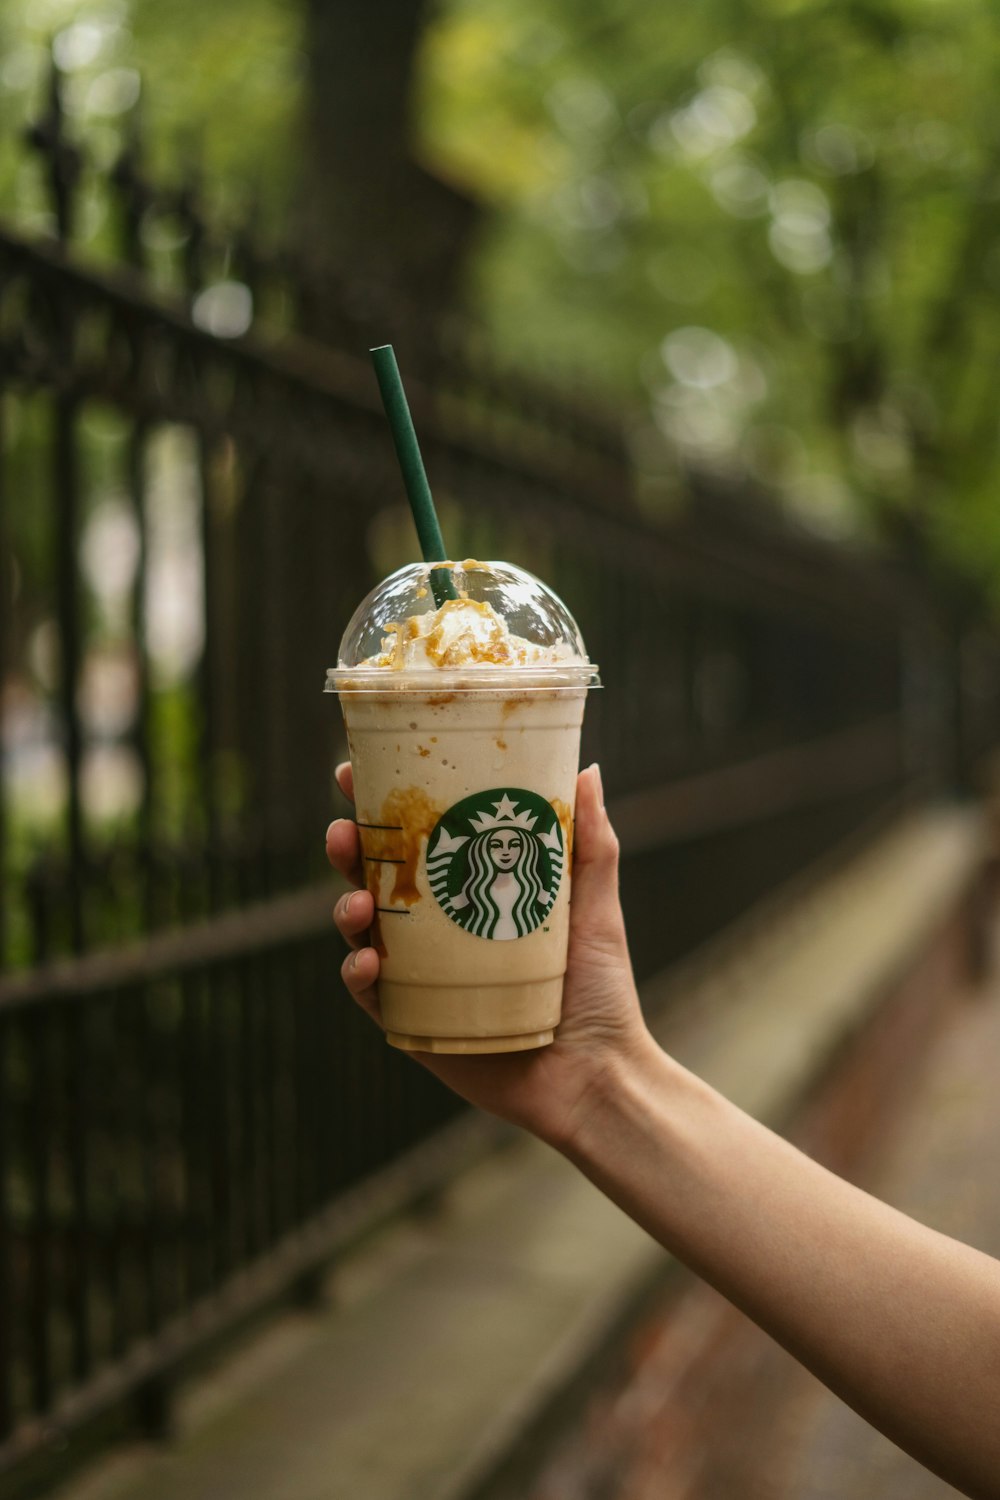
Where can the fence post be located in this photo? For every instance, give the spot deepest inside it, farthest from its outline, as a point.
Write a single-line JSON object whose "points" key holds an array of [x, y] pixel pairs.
{"points": [[154, 1407]]}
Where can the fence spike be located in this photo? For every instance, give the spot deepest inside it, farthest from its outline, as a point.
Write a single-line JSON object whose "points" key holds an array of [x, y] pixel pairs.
{"points": [[63, 159]]}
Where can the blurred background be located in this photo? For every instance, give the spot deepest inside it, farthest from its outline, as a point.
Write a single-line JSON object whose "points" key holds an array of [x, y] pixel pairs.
{"points": [[698, 313]]}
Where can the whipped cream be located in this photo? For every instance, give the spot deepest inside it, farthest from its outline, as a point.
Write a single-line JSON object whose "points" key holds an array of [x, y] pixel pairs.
{"points": [[461, 633]]}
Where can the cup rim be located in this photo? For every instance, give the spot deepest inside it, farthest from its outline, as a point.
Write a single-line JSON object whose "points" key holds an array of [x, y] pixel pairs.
{"points": [[563, 677]]}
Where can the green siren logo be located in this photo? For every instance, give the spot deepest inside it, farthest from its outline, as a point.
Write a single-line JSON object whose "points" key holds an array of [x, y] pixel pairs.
{"points": [[495, 860]]}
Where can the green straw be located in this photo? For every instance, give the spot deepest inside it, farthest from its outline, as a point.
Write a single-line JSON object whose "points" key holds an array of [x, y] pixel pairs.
{"points": [[418, 491]]}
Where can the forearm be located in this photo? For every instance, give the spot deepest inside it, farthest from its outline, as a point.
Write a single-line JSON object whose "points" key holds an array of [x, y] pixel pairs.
{"points": [[903, 1323]]}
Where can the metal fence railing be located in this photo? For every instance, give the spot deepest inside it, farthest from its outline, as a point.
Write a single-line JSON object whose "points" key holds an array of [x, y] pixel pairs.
{"points": [[192, 500]]}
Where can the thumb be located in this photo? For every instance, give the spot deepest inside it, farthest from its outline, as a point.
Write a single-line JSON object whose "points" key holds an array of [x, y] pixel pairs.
{"points": [[596, 913]]}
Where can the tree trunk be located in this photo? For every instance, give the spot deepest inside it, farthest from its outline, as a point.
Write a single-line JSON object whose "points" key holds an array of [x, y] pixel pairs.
{"points": [[375, 220]]}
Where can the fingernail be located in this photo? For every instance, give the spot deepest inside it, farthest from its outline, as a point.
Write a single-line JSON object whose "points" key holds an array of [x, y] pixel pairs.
{"points": [[348, 903], [595, 768], [331, 828]]}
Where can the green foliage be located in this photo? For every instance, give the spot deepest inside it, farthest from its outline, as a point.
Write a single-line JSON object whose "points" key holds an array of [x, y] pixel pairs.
{"points": [[770, 226], [774, 223], [213, 84]]}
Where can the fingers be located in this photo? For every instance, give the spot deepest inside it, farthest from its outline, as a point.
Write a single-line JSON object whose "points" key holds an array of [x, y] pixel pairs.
{"points": [[343, 844], [595, 843], [353, 916], [343, 850], [360, 972], [353, 913], [596, 910]]}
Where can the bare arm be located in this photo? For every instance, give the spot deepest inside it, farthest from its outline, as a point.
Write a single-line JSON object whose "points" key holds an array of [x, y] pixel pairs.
{"points": [[903, 1323], [900, 1321]]}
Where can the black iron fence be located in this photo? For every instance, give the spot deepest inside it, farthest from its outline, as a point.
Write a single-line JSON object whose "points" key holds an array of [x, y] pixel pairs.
{"points": [[193, 496]]}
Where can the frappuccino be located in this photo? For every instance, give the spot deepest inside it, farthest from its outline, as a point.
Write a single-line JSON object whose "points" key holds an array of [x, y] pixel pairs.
{"points": [[463, 721]]}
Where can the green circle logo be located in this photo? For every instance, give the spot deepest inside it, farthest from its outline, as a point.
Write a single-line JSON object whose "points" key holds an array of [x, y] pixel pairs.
{"points": [[495, 860]]}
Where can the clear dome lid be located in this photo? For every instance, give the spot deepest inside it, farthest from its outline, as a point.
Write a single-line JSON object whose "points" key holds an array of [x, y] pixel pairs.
{"points": [[501, 618]]}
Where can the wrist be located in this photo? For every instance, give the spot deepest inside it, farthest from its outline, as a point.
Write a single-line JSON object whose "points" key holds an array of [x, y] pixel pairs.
{"points": [[652, 1136], [625, 1094]]}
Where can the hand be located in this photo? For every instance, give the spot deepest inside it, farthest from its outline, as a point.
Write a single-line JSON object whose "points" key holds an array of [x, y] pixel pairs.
{"points": [[545, 1089]]}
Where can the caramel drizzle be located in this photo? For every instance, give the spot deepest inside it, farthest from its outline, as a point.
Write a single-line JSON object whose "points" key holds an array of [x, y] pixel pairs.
{"points": [[406, 821], [567, 823]]}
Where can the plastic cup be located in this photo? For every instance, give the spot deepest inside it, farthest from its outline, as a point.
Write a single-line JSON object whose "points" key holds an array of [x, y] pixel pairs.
{"points": [[465, 781]]}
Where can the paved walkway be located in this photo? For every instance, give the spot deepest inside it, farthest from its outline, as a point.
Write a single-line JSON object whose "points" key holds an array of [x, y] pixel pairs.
{"points": [[942, 1169], [940, 1166]]}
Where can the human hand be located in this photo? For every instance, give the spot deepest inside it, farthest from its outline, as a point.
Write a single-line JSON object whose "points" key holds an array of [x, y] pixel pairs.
{"points": [[602, 1030]]}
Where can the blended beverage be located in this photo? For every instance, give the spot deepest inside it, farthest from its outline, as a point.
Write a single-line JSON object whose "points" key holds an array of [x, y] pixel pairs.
{"points": [[463, 722]]}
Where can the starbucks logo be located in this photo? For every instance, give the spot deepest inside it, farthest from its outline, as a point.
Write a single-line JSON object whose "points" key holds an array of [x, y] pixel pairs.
{"points": [[495, 860]]}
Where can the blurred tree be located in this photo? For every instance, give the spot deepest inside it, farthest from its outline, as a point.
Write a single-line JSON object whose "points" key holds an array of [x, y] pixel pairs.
{"points": [[219, 84], [775, 221], [773, 225], [304, 109], [367, 202]]}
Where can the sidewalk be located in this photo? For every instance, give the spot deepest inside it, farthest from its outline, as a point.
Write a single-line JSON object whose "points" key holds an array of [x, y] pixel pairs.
{"points": [[942, 1169], [799, 1442]]}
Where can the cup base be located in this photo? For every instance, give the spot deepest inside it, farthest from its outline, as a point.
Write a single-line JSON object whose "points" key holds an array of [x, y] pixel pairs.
{"points": [[470, 1044]]}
